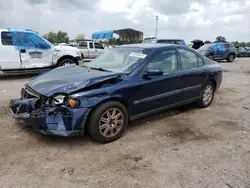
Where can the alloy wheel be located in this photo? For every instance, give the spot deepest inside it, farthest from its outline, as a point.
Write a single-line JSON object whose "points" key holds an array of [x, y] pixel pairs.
{"points": [[207, 94], [111, 122], [231, 57], [67, 63]]}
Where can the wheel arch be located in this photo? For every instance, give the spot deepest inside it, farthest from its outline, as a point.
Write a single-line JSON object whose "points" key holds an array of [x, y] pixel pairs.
{"points": [[116, 99], [213, 81], [67, 57]]}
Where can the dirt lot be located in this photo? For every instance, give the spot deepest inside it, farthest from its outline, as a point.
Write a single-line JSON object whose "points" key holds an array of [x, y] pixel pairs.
{"points": [[186, 147]]}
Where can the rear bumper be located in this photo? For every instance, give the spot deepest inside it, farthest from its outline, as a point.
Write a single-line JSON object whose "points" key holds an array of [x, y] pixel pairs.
{"points": [[59, 121]]}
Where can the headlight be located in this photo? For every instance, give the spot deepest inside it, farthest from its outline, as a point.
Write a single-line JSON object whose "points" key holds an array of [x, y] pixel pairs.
{"points": [[78, 53], [58, 99]]}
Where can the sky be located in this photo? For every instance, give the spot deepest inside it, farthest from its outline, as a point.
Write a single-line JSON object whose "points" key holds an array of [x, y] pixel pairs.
{"points": [[184, 19]]}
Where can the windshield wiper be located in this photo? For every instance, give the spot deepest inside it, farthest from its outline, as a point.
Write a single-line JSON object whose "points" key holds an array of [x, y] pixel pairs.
{"points": [[100, 69]]}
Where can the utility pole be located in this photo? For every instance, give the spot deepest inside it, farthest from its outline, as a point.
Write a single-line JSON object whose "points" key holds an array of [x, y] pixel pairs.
{"points": [[156, 27]]}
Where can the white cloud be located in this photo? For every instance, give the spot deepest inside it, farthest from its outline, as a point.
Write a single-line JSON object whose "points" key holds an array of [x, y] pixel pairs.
{"points": [[189, 19]]}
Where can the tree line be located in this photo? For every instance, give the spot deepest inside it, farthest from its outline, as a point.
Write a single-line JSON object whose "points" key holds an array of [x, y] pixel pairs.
{"points": [[62, 37]]}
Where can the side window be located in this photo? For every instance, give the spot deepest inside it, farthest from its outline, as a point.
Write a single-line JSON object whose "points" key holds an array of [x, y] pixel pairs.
{"points": [[83, 45], [227, 45], [30, 40], [90, 45], [6, 38], [188, 59], [98, 46], [165, 60], [161, 41]]}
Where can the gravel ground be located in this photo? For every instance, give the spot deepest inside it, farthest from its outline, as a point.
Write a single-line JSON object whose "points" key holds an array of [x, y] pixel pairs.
{"points": [[185, 147]]}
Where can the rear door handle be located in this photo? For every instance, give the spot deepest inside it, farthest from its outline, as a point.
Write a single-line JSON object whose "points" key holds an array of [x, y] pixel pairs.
{"points": [[23, 51]]}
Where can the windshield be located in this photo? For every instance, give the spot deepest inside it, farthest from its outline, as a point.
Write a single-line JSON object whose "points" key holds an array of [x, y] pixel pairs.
{"points": [[206, 46], [121, 59]]}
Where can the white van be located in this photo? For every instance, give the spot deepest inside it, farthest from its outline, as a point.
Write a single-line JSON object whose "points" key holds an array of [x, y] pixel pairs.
{"points": [[26, 50]]}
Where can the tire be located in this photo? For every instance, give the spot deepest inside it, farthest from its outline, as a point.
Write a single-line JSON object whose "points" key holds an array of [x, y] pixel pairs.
{"points": [[231, 58], [65, 62], [202, 102], [103, 117]]}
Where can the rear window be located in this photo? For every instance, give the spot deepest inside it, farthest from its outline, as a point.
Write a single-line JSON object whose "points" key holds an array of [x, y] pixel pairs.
{"points": [[83, 44], [6, 38]]}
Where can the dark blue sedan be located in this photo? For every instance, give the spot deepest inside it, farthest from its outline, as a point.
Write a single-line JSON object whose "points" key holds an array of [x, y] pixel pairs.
{"points": [[125, 83]]}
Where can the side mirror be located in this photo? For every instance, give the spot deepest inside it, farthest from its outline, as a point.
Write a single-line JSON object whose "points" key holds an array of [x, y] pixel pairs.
{"points": [[154, 72]]}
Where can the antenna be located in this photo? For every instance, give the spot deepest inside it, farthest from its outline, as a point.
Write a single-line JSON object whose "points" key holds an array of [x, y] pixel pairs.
{"points": [[156, 26]]}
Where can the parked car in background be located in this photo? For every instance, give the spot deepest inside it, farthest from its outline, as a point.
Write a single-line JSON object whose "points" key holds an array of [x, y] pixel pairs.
{"points": [[196, 44], [22, 50], [124, 83], [166, 41], [219, 51], [243, 52], [90, 49]]}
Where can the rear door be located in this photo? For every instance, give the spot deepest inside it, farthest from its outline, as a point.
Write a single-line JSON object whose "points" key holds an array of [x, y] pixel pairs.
{"points": [[219, 50], [193, 74], [83, 46], [9, 54], [35, 52], [91, 50]]}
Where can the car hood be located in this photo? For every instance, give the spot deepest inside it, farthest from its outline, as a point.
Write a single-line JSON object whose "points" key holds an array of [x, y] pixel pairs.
{"points": [[65, 48], [68, 79]]}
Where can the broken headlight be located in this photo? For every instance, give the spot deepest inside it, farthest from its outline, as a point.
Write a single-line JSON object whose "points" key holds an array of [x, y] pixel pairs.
{"points": [[58, 99]]}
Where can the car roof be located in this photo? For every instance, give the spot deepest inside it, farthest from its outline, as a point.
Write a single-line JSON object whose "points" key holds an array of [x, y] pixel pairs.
{"points": [[17, 30], [149, 45]]}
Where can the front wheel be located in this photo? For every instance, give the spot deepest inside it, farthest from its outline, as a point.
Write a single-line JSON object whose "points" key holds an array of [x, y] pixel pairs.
{"points": [[108, 121], [231, 58], [207, 95], [66, 62]]}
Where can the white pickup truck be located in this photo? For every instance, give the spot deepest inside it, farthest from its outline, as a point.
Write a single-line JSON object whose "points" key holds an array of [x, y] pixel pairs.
{"points": [[24, 51], [90, 49]]}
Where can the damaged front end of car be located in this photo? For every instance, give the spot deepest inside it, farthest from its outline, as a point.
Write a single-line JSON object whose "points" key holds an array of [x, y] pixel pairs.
{"points": [[64, 111], [57, 115]]}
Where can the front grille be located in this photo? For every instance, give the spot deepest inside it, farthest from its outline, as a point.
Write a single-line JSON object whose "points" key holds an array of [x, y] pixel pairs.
{"points": [[20, 109]]}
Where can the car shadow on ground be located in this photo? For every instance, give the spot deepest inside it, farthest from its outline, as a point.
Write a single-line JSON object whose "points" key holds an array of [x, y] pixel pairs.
{"points": [[87, 140]]}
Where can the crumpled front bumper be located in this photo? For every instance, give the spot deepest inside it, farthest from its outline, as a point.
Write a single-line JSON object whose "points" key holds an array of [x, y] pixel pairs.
{"points": [[60, 121]]}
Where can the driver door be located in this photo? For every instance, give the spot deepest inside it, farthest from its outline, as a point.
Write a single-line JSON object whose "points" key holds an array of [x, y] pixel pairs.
{"points": [[159, 91], [35, 52]]}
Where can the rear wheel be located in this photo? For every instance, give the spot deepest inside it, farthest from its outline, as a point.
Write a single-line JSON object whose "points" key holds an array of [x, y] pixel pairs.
{"points": [[108, 121], [231, 58], [65, 62], [207, 95]]}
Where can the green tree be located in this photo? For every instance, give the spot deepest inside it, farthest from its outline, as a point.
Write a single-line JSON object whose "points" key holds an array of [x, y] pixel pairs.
{"points": [[80, 37], [220, 39], [51, 36], [59, 37], [236, 43]]}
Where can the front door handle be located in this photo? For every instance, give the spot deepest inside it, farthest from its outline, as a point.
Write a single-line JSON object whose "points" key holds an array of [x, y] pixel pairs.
{"points": [[23, 51]]}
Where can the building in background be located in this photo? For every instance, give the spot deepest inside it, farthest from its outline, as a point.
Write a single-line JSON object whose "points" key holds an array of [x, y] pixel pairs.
{"points": [[124, 35]]}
